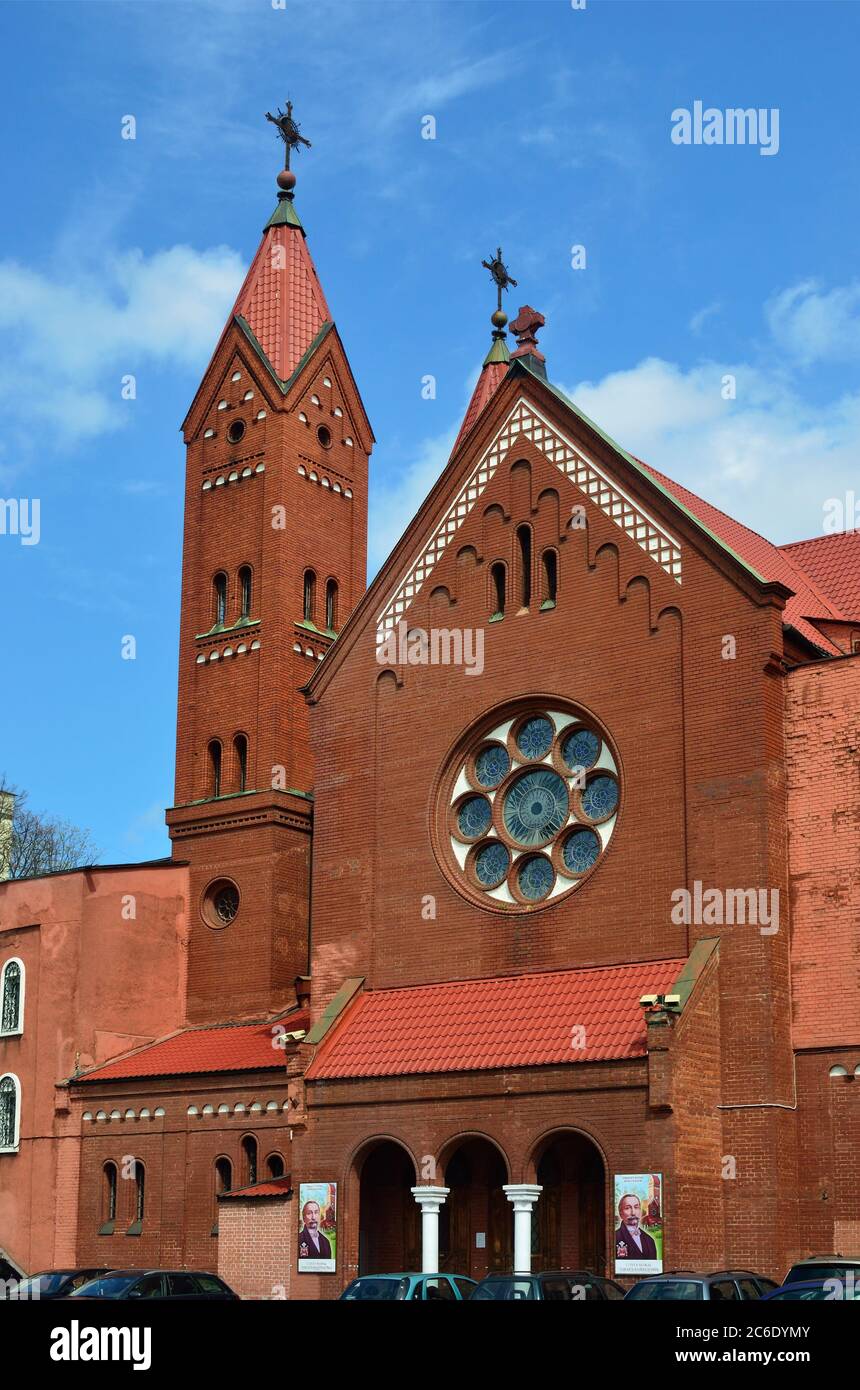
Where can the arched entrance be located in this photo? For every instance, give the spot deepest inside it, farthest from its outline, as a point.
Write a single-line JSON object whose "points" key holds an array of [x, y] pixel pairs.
{"points": [[389, 1225], [570, 1230], [476, 1221]]}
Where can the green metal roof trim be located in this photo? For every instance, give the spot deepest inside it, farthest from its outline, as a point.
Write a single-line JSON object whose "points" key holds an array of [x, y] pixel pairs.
{"points": [[639, 467], [283, 386], [498, 352], [345, 994], [232, 796], [285, 215], [693, 967]]}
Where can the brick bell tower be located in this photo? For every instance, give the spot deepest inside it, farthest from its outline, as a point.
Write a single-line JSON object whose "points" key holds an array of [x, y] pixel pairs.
{"points": [[274, 559]]}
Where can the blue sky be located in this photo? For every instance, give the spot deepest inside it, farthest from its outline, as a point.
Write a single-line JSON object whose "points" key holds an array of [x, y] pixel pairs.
{"points": [[553, 129]]}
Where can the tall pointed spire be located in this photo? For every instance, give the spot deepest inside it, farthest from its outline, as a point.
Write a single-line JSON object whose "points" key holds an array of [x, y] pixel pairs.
{"points": [[495, 363], [281, 301]]}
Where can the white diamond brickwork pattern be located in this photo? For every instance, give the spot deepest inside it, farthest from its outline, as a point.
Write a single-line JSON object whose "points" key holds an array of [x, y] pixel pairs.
{"points": [[525, 419]]}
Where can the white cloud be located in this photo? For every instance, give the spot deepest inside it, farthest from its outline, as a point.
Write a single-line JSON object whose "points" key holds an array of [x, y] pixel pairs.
{"points": [[770, 458], [700, 318], [814, 326], [71, 335]]}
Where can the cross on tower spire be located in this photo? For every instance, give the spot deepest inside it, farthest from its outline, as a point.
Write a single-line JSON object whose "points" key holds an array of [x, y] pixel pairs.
{"points": [[503, 280], [290, 132]]}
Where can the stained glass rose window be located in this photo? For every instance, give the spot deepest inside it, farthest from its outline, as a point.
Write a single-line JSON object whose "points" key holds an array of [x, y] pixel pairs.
{"points": [[528, 806]]}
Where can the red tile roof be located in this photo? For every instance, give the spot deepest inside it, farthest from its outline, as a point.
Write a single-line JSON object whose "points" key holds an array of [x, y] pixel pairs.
{"points": [[271, 1187], [808, 599], [514, 1021], [491, 378], [282, 300], [226, 1047], [833, 561]]}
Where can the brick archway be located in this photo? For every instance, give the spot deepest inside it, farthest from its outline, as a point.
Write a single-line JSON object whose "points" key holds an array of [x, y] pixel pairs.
{"points": [[476, 1223], [569, 1228], [389, 1227]]}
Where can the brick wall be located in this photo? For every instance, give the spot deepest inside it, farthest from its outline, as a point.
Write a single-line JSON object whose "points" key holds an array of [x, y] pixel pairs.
{"points": [[256, 1244]]}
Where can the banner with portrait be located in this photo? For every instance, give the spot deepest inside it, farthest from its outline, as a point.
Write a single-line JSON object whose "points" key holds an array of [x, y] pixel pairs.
{"points": [[317, 1228], [638, 1223]]}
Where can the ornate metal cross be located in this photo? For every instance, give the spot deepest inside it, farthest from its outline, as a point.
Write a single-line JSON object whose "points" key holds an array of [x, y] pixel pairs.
{"points": [[499, 272], [288, 129]]}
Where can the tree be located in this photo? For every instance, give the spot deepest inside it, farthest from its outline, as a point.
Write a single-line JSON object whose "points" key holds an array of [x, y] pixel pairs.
{"points": [[31, 844]]}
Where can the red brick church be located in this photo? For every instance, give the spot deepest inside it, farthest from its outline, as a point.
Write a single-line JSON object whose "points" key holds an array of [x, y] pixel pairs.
{"points": [[525, 877]]}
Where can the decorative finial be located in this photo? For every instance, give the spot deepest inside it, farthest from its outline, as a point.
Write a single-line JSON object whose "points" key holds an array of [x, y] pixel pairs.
{"points": [[526, 325], [288, 129], [503, 280]]}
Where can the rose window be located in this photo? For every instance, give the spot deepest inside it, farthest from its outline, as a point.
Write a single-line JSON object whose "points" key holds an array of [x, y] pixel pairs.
{"points": [[527, 807]]}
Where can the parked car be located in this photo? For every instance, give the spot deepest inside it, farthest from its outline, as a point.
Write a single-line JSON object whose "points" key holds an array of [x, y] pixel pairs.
{"points": [[55, 1283], [724, 1285], [394, 1288], [815, 1290], [844, 1267], [187, 1284], [548, 1286]]}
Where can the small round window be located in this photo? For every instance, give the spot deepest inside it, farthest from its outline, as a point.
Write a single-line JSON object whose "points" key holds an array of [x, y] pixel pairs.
{"points": [[324, 436], [527, 806], [221, 903], [236, 431]]}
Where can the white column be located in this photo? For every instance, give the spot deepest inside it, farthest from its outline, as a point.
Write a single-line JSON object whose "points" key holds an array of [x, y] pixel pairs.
{"points": [[430, 1199], [522, 1196]]}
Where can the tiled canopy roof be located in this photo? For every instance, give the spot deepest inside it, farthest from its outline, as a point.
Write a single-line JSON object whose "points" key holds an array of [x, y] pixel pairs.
{"points": [[226, 1047], [833, 561], [270, 1187], [513, 1021]]}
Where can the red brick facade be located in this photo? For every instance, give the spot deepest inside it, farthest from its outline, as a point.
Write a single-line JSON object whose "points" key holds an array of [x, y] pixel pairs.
{"points": [[730, 715]]}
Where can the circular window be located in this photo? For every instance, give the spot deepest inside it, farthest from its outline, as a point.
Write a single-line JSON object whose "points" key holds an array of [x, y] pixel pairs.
{"points": [[324, 437], [527, 806], [235, 431], [221, 903]]}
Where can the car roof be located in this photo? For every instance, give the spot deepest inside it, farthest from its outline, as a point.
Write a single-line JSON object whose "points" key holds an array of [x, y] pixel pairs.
{"points": [[137, 1273], [546, 1274], [827, 1259]]}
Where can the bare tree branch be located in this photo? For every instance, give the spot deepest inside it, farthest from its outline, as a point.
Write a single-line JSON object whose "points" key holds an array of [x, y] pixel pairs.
{"points": [[38, 844]]}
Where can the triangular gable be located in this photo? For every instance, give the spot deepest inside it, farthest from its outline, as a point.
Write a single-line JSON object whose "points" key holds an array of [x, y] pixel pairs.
{"points": [[592, 480], [390, 594]]}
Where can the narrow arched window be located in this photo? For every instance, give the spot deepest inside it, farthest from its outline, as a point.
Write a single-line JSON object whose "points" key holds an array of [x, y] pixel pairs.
{"points": [[524, 545], [219, 593], [108, 1193], [12, 1015], [240, 748], [309, 597], [139, 1191], [10, 1107], [331, 605], [214, 768], [245, 590], [497, 579], [275, 1165], [223, 1175], [249, 1160], [223, 1183], [550, 578]]}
